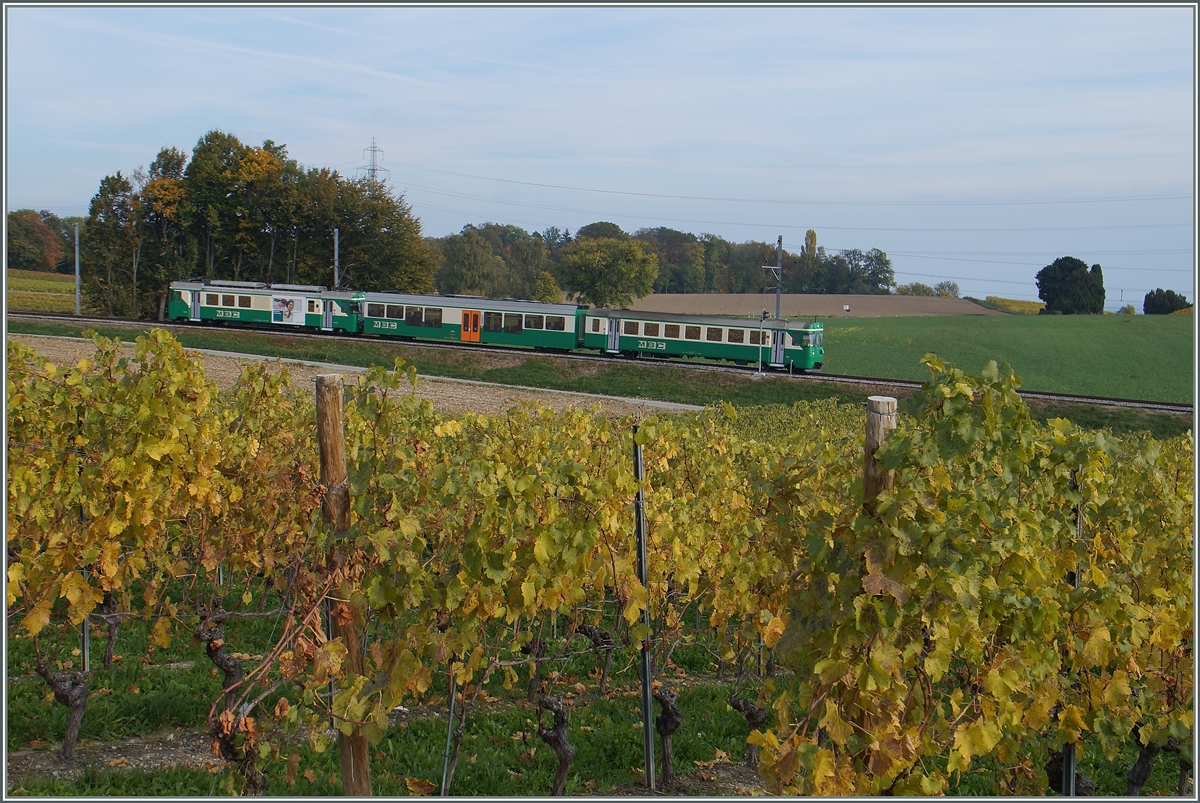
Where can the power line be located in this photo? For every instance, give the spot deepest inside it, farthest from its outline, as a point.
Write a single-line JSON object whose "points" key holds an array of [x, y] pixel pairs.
{"points": [[776, 167], [1030, 264], [795, 202], [1043, 252], [792, 226]]}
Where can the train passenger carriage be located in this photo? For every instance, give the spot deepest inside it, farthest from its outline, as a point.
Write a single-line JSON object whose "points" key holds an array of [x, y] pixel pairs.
{"points": [[298, 305], [778, 344], [471, 319], [504, 322]]}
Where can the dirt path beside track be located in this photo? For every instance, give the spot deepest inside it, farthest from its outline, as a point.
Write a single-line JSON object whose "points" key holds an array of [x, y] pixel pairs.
{"points": [[449, 396]]}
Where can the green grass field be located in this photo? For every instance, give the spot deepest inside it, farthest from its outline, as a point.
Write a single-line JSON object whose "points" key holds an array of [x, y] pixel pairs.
{"points": [[36, 281], [36, 291], [1119, 356]]}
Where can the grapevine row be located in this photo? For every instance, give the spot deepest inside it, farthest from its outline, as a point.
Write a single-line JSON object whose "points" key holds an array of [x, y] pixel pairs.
{"points": [[943, 621]]}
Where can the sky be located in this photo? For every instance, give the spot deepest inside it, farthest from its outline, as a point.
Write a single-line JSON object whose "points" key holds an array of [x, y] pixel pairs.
{"points": [[972, 144]]}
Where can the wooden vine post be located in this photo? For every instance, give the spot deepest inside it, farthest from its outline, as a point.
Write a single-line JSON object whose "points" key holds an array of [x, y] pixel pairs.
{"points": [[331, 442], [881, 419]]}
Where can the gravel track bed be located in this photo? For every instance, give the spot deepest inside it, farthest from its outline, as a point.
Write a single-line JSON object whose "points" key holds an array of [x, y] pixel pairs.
{"points": [[451, 396]]}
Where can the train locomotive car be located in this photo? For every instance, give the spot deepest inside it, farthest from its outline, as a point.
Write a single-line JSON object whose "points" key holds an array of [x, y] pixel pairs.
{"points": [[472, 319], [284, 305], [776, 343]]}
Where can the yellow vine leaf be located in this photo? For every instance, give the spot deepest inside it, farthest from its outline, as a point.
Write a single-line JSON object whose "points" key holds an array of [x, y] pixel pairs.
{"points": [[1071, 724], [1096, 650], [36, 619], [772, 632], [1118, 691]]}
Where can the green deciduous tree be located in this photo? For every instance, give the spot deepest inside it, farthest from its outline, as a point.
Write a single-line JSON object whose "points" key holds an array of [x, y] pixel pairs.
{"points": [[469, 266], [1163, 302], [210, 179], [601, 230], [867, 272], [915, 289], [681, 264], [166, 211], [527, 260], [546, 289], [608, 272], [113, 247], [1067, 286], [381, 243]]}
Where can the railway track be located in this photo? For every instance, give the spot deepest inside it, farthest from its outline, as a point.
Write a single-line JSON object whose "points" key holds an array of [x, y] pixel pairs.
{"points": [[878, 382]]}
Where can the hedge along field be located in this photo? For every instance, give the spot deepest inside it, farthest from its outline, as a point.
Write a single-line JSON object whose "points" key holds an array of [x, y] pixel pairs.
{"points": [[1118, 356]]}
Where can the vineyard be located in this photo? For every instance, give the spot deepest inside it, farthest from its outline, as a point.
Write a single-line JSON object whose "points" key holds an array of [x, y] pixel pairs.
{"points": [[1017, 594]]}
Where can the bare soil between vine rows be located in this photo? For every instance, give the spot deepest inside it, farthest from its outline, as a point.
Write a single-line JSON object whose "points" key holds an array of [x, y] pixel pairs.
{"points": [[192, 748]]}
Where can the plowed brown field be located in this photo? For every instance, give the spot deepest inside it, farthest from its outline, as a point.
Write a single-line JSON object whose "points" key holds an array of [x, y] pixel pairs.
{"points": [[808, 306]]}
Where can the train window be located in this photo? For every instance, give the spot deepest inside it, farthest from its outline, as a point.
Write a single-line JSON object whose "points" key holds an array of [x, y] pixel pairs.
{"points": [[715, 334], [691, 332], [314, 306], [754, 334], [651, 330], [180, 297], [595, 324], [671, 330], [556, 323], [534, 322], [243, 301], [737, 336], [631, 327], [512, 323], [212, 299], [374, 310], [227, 301], [433, 317], [493, 322], [395, 311], [414, 316]]}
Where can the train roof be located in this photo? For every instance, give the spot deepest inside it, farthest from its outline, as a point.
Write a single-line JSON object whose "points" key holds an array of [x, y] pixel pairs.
{"points": [[473, 302], [728, 321], [263, 287]]}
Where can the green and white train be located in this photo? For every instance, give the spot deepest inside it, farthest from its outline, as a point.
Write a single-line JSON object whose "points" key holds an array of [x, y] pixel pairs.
{"points": [[789, 345]]}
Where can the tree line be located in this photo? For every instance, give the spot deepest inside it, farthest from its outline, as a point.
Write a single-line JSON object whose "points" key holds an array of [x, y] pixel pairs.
{"points": [[605, 265], [227, 211]]}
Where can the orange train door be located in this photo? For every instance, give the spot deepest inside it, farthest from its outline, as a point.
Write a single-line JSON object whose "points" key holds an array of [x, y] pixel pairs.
{"points": [[470, 326]]}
